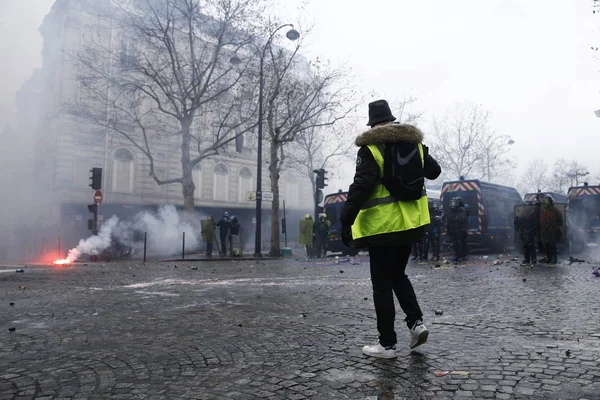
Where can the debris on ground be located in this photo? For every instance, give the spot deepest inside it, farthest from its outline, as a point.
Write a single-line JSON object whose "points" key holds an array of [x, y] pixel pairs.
{"points": [[552, 346], [21, 287], [12, 329], [194, 268], [439, 312], [366, 298], [596, 273], [497, 262], [524, 279], [568, 353], [573, 260], [11, 304], [451, 372], [20, 270], [341, 271]]}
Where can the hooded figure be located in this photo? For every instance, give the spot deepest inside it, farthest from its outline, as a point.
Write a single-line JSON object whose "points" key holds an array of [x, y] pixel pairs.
{"points": [[322, 228], [224, 225], [388, 224], [551, 224]]}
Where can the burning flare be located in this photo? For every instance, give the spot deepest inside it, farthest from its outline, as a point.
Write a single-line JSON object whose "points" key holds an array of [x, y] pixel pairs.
{"points": [[62, 262]]}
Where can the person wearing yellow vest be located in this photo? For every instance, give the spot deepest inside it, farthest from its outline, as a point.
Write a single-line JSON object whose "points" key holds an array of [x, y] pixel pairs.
{"points": [[375, 219]]}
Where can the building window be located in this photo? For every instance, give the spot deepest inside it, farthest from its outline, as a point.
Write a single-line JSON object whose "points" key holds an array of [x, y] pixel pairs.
{"points": [[197, 178], [123, 171], [221, 183], [245, 184]]}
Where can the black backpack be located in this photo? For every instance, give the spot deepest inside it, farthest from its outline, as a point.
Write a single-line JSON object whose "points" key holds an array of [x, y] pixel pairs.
{"points": [[403, 171]]}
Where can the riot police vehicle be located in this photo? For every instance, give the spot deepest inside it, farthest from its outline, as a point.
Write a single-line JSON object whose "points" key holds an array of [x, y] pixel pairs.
{"points": [[491, 207]]}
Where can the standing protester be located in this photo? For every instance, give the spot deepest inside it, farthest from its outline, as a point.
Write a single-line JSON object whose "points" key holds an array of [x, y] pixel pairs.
{"points": [[224, 225], [457, 228], [234, 237], [539, 198], [208, 233], [306, 234], [551, 223], [435, 230], [386, 211], [322, 228], [417, 251], [527, 227]]}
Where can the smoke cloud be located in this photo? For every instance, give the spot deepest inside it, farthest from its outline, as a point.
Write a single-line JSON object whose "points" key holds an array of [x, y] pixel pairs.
{"points": [[165, 229]]}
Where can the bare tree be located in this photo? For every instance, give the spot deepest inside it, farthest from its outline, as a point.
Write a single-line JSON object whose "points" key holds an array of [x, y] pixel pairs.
{"points": [[535, 177], [465, 145], [321, 147], [162, 75], [403, 111], [566, 174], [299, 96]]}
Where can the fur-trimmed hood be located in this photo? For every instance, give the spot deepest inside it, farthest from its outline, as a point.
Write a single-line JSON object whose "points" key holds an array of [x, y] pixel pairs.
{"points": [[390, 133]]}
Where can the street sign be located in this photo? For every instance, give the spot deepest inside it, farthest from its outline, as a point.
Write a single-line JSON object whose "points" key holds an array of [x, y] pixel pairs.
{"points": [[97, 197], [251, 196], [268, 196]]}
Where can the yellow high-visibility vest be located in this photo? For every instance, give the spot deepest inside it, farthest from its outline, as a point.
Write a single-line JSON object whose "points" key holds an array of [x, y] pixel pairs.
{"points": [[382, 213]]}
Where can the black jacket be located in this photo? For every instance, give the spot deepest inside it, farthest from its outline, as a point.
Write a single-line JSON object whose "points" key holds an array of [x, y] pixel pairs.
{"points": [[367, 178]]}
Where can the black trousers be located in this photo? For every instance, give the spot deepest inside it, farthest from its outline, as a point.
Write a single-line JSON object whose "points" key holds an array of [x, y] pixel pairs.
{"points": [[388, 265], [460, 244], [209, 248], [435, 244], [529, 251], [224, 245], [550, 251]]}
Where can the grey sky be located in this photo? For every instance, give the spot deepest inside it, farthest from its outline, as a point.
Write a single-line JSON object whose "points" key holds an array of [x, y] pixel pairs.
{"points": [[529, 62]]}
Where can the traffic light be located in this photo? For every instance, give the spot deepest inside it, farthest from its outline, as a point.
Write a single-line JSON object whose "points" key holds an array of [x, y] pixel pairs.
{"points": [[320, 178], [96, 178], [93, 208]]}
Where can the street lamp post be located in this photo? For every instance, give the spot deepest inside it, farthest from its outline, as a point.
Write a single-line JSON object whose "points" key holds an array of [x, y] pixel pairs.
{"points": [[291, 34]]}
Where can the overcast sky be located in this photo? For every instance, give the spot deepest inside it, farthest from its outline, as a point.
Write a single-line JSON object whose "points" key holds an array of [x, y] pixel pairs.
{"points": [[528, 62]]}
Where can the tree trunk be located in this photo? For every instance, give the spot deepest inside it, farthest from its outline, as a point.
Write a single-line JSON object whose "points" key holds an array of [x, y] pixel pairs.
{"points": [[274, 174], [188, 186]]}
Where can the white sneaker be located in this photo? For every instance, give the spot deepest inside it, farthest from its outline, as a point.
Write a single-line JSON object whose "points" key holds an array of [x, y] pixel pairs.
{"points": [[418, 334], [379, 351]]}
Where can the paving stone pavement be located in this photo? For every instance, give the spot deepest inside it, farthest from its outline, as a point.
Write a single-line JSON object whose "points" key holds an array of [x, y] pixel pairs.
{"points": [[294, 330]]}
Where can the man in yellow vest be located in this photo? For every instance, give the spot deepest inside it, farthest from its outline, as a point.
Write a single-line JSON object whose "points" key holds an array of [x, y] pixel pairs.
{"points": [[386, 211]]}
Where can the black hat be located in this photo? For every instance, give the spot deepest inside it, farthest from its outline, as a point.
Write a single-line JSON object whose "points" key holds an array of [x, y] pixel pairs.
{"points": [[379, 111]]}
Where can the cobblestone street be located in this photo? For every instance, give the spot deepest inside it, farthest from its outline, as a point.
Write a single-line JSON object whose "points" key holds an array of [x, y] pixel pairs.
{"points": [[294, 330]]}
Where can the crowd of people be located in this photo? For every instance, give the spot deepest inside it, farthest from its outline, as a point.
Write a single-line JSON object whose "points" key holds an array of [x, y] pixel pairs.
{"points": [[314, 235], [229, 235]]}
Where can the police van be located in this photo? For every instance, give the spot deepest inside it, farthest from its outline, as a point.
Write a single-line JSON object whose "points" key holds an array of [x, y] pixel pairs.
{"points": [[583, 216], [491, 209]]}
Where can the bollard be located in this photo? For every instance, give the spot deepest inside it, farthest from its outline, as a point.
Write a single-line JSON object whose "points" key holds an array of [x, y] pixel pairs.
{"points": [[145, 241], [183, 248]]}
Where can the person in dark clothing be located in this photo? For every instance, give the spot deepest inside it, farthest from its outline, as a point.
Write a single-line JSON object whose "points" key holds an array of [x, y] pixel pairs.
{"points": [[527, 227], [551, 228], [371, 218], [435, 230], [457, 228], [224, 225], [322, 229], [234, 236]]}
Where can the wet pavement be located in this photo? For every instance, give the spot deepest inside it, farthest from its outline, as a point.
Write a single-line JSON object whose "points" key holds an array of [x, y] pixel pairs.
{"points": [[294, 330]]}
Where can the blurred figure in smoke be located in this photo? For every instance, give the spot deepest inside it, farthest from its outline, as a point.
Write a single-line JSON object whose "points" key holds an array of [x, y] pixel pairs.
{"points": [[306, 234], [527, 227], [208, 234], [538, 238], [322, 229], [457, 225], [435, 230], [551, 223], [234, 237], [224, 226]]}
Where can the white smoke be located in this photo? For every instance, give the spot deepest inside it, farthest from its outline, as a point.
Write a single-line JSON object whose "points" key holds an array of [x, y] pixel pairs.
{"points": [[95, 244], [164, 228]]}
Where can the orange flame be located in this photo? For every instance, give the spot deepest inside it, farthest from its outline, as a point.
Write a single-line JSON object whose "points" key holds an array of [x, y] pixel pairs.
{"points": [[62, 262]]}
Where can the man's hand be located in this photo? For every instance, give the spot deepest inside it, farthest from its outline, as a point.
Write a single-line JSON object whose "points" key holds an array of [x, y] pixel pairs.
{"points": [[346, 235]]}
